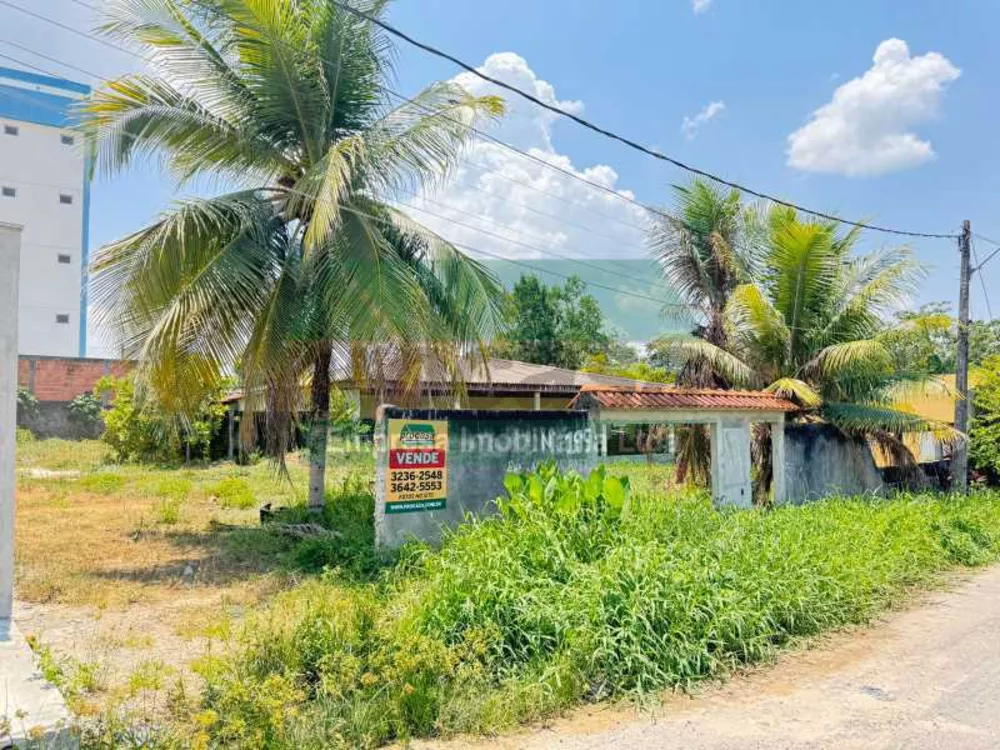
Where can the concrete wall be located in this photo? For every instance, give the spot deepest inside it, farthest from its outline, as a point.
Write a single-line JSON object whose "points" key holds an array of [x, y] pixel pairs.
{"points": [[821, 462], [51, 420], [483, 446]]}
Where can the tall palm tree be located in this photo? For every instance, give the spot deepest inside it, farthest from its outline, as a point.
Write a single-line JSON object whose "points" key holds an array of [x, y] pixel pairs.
{"points": [[810, 327], [705, 246], [305, 262]]}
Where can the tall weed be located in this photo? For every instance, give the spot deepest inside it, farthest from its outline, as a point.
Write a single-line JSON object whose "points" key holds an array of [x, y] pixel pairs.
{"points": [[577, 590]]}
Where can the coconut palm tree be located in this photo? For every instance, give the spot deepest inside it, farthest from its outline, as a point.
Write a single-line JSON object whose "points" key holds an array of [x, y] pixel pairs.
{"points": [[811, 325], [304, 262], [706, 245]]}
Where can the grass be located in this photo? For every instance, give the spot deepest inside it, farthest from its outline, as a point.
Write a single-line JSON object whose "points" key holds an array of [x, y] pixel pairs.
{"points": [[572, 595], [579, 591]]}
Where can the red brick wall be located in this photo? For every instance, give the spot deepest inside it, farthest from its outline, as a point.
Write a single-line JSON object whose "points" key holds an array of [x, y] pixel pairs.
{"points": [[63, 379]]}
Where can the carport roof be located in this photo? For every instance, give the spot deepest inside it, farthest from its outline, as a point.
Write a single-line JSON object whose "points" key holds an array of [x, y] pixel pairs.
{"points": [[652, 398]]}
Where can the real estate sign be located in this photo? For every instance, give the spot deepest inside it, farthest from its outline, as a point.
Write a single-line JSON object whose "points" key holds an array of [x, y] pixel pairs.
{"points": [[418, 466]]}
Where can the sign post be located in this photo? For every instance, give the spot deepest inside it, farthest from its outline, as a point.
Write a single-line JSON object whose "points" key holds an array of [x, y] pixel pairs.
{"points": [[418, 466]]}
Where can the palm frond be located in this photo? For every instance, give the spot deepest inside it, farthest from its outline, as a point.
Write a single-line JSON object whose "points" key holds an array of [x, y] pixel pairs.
{"points": [[733, 369], [796, 390]]}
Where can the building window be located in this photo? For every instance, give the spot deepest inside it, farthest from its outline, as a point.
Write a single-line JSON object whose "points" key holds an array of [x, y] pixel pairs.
{"points": [[8, 192], [62, 318], [64, 258], [67, 140], [10, 130], [64, 198]]}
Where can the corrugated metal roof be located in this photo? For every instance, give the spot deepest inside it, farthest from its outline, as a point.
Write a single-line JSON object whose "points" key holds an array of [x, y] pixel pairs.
{"points": [[662, 397]]}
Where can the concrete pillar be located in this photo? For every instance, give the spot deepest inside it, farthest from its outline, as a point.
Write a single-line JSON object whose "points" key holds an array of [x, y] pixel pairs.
{"points": [[778, 461], [714, 433], [10, 267], [604, 439], [538, 401], [231, 424]]}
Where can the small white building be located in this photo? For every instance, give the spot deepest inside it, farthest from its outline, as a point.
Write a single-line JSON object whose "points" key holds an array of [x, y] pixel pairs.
{"points": [[45, 188]]}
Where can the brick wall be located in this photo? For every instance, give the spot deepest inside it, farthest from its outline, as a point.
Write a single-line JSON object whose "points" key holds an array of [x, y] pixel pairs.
{"points": [[59, 379]]}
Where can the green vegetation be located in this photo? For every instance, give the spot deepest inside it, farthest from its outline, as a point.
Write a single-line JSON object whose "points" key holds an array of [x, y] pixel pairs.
{"points": [[85, 415], [233, 492], [925, 340], [309, 254], [139, 427], [984, 431], [795, 312], [578, 591]]}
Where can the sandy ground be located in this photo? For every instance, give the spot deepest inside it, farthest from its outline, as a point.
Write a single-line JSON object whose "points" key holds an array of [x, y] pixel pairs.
{"points": [[928, 677]]}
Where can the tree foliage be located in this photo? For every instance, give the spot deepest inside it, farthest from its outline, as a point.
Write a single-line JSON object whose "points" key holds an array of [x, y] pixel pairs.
{"points": [[138, 427], [984, 430], [809, 324], [554, 325], [306, 263]]}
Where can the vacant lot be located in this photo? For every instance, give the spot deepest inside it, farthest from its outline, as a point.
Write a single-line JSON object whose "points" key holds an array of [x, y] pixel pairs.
{"points": [[128, 573]]}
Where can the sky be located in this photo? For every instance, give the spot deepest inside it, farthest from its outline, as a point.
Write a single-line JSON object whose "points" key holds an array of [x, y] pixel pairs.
{"points": [[876, 110]]}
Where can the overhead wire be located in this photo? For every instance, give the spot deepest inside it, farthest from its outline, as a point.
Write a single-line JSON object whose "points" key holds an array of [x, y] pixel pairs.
{"points": [[480, 251], [530, 156], [620, 138], [982, 280], [388, 28]]}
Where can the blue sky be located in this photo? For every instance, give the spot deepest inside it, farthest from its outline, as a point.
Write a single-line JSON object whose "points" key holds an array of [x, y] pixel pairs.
{"points": [[910, 144]]}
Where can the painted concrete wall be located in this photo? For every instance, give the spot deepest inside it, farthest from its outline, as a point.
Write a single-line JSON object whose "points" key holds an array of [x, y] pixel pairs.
{"points": [[483, 446], [820, 461], [39, 168]]}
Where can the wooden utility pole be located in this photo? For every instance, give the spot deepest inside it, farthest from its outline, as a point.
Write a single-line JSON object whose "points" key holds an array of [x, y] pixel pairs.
{"points": [[960, 457]]}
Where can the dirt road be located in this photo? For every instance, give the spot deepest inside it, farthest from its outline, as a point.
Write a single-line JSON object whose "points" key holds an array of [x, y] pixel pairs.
{"points": [[928, 677]]}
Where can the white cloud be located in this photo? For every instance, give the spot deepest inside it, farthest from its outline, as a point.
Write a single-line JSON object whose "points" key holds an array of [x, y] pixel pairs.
{"points": [[522, 202], [865, 128], [700, 6], [691, 125]]}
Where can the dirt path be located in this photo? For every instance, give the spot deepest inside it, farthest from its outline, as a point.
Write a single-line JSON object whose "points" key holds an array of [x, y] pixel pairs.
{"points": [[928, 677]]}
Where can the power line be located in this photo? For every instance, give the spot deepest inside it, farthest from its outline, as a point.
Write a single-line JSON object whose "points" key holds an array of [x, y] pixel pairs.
{"points": [[618, 290], [70, 29], [622, 139], [552, 108], [982, 280], [52, 59], [991, 255]]}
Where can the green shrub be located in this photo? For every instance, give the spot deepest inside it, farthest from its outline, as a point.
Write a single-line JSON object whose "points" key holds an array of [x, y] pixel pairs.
{"points": [[27, 404], [172, 488], [140, 428], [85, 415], [233, 492], [984, 431], [577, 590], [103, 482], [168, 511], [23, 436]]}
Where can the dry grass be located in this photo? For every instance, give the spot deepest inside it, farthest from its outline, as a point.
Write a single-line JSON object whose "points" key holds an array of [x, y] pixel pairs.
{"points": [[120, 569]]}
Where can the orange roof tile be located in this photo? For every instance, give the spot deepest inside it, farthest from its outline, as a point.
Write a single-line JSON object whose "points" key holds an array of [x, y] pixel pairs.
{"points": [[665, 397]]}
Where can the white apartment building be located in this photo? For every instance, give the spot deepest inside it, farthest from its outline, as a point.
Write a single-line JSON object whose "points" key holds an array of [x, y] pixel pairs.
{"points": [[45, 187]]}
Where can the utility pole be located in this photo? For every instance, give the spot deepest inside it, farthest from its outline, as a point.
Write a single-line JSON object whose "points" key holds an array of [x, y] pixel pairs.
{"points": [[960, 456]]}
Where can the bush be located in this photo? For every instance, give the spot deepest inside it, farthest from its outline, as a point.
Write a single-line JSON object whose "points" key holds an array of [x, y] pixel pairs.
{"points": [[27, 404], [984, 432], [85, 415], [102, 483], [575, 591], [22, 436], [233, 493], [139, 429]]}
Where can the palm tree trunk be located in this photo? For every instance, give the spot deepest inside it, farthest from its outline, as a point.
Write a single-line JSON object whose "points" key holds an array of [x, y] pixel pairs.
{"points": [[319, 428]]}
